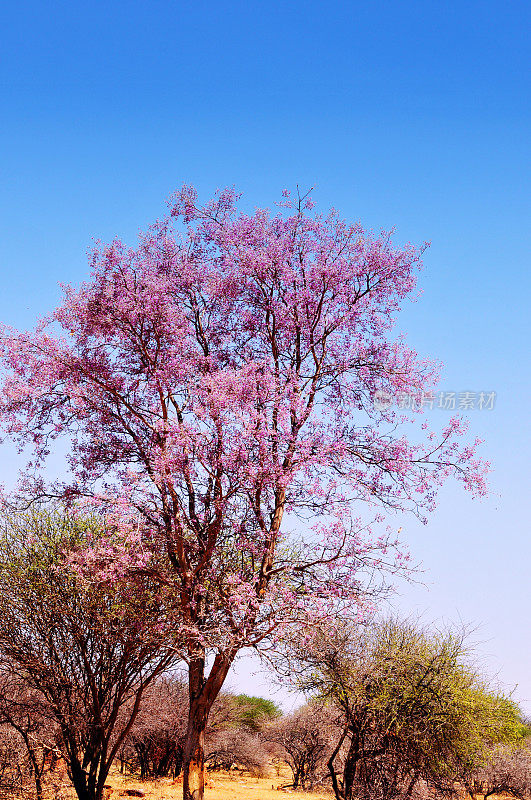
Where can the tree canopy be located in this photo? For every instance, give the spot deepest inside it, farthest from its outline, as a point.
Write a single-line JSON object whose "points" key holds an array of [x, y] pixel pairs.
{"points": [[218, 382], [80, 651], [414, 710]]}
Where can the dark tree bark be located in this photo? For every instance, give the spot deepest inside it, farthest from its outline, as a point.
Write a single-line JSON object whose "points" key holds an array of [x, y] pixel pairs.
{"points": [[202, 692]]}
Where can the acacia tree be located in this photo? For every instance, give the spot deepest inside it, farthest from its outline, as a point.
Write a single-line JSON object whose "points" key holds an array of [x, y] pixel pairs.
{"points": [[154, 744], [305, 739], [14, 778], [81, 653], [231, 748], [215, 383], [253, 712], [507, 771], [415, 716]]}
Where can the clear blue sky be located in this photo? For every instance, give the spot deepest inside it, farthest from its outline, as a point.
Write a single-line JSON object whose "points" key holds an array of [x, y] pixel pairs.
{"points": [[408, 114]]}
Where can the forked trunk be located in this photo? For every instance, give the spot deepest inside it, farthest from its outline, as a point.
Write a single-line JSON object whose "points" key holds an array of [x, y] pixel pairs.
{"points": [[87, 786], [350, 768], [202, 694]]}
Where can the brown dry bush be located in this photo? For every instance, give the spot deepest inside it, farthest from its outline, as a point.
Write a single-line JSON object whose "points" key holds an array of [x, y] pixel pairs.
{"points": [[507, 771], [305, 740]]}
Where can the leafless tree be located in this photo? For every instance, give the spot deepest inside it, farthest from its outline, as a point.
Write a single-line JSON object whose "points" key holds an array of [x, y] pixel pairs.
{"points": [[235, 733], [507, 771], [305, 740], [26, 713], [236, 747], [154, 745], [15, 776]]}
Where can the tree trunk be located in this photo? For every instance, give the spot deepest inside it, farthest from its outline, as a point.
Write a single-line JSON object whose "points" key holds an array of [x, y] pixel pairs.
{"points": [[411, 786], [296, 777], [350, 768], [202, 694], [85, 787], [194, 752], [79, 781], [37, 769], [38, 787], [338, 792]]}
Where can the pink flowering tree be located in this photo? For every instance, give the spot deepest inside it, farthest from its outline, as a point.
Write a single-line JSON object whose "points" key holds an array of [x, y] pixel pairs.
{"points": [[217, 388]]}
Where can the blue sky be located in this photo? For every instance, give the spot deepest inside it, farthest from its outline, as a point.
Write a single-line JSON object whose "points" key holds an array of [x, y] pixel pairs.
{"points": [[414, 115]]}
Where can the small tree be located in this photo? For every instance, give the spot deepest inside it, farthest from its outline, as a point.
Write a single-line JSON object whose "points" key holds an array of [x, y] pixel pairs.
{"points": [[155, 743], [84, 650], [23, 710], [305, 740], [254, 712], [236, 747], [507, 770], [413, 711], [15, 770], [224, 376]]}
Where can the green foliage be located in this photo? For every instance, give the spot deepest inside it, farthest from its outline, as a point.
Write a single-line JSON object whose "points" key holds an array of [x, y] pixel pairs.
{"points": [[87, 647], [38, 578], [418, 684], [413, 708], [254, 712]]}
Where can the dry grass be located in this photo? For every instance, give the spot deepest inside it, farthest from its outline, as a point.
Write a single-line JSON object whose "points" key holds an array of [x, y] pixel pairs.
{"points": [[220, 786]]}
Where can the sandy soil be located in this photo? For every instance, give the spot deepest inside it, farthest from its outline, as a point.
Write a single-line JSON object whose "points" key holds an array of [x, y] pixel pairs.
{"points": [[220, 786], [223, 786]]}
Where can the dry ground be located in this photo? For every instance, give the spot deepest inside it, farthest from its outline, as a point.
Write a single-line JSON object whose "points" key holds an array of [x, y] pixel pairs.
{"points": [[221, 786]]}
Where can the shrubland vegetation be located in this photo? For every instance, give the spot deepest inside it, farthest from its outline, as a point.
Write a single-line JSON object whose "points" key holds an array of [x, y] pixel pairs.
{"points": [[75, 657], [89, 679], [212, 387], [415, 719]]}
